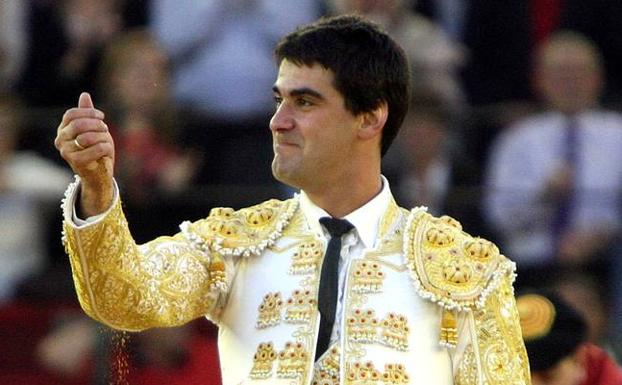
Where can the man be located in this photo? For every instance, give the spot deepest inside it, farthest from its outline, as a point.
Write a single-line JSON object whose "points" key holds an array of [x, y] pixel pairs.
{"points": [[556, 339], [554, 178], [406, 281]]}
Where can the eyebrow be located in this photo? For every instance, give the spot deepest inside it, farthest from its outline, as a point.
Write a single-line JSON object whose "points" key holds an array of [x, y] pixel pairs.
{"points": [[300, 92]]}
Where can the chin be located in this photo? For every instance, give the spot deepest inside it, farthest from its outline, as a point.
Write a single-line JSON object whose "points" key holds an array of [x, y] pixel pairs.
{"points": [[285, 176]]}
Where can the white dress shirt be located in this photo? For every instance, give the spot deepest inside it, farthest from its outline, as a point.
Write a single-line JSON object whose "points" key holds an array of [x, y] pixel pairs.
{"points": [[365, 220], [525, 157]]}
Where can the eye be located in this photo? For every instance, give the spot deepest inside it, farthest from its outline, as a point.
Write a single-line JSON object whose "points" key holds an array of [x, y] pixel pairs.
{"points": [[277, 101], [302, 102]]}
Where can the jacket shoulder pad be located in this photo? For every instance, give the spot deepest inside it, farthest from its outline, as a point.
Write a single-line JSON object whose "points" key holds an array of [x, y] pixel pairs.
{"points": [[242, 232], [450, 267]]}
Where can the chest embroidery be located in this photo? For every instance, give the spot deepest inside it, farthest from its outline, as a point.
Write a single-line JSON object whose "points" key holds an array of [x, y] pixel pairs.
{"points": [[394, 331], [307, 258], [292, 361], [300, 307], [270, 310], [362, 326], [368, 277], [263, 361]]}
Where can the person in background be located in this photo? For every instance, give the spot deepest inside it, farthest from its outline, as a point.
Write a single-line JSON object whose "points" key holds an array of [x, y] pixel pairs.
{"points": [[66, 42], [221, 64], [435, 58], [13, 42], [134, 83], [428, 168], [554, 178], [29, 184], [555, 337]]}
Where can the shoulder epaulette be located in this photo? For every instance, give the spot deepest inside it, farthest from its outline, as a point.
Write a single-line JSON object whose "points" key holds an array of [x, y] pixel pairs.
{"points": [[449, 266], [243, 232]]}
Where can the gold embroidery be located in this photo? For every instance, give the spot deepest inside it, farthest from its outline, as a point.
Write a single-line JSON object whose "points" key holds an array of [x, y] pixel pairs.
{"points": [[394, 331], [449, 329], [244, 232], [395, 374], [307, 258], [362, 326], [325, 379], [446, 219], [217, 275], [270, 310], [439, 237], [467, 370], [292, 361], [368, 277], [481, 249], [263, 361], [300, 307], [327, 368], [165, 282], [363, 374], [500, 343], [457, 271], [449, 266]]}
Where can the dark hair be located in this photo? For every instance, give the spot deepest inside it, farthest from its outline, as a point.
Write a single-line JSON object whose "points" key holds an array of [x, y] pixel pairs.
{"points": [[369, 67]]}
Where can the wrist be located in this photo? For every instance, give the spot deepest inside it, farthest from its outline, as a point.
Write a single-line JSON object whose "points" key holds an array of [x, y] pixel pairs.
{"points": [[95, 198]]}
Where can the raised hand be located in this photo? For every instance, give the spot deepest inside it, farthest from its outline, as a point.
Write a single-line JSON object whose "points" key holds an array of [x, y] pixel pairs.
{"points": [[86, 145]]}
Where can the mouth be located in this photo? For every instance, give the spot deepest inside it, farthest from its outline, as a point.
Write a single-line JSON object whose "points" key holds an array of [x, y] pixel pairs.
{"points": [[284, 145]]}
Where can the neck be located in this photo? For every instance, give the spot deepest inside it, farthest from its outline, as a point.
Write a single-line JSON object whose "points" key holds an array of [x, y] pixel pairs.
{"points": [[348, 193]]}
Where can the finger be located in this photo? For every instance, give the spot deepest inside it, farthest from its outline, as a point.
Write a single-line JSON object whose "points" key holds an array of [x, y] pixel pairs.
{"points": [[85, 101], [78, 113], [81, 126], [90, 138], [81, 159]]}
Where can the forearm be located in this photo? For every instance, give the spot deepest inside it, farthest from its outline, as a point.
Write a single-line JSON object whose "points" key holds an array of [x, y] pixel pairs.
{"points": [[165, 282]]}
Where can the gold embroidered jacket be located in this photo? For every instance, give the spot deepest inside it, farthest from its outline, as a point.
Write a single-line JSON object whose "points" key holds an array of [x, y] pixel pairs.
{"points": [[429, 305]]}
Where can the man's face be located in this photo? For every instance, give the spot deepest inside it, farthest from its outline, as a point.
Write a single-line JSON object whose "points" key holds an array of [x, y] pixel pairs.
{"points": [[569, 78], [313, 132]]}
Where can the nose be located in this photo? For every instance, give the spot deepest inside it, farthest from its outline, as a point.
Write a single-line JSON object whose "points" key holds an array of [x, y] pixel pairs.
{"points": [[282, 119]]}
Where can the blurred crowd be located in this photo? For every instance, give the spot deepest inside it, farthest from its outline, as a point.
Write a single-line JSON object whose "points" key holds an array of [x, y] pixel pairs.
{"points": [[515, 129]]}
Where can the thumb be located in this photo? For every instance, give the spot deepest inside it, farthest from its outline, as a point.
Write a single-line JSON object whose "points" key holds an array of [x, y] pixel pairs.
{"points": [[85, 101]]}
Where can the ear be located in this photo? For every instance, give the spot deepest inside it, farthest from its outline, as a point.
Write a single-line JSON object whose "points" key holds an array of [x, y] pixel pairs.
{"points": [[373, 122]]}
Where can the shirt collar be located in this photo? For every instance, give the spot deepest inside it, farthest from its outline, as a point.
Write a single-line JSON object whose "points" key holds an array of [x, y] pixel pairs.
{"points": [[366, 219]]}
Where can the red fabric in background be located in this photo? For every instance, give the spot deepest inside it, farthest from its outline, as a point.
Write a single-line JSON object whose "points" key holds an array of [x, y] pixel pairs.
{"points": [[601, 368], [24, 324], [544, 18]]}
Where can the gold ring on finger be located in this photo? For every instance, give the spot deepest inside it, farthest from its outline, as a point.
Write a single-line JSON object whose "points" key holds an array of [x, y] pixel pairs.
{"points": [[75, 141]]}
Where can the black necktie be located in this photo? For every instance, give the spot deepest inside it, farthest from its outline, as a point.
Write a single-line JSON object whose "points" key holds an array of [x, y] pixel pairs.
{"points": [[327, 296]]}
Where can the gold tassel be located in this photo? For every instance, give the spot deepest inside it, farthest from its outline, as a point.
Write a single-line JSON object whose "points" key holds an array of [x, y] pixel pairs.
{"points": [[449, 329]]}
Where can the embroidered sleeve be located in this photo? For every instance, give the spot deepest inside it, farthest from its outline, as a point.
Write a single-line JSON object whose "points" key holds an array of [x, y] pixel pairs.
{"points": [[493, 348], [166, 282]]}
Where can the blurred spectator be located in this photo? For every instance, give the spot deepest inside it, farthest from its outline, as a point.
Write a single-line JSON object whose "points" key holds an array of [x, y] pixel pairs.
{"points": [[13, 42], [134, 79], [600, 21], [223, 71], [554, 179], [152, 169], [555, 338], [435, 58], [426, 167], [66, 39], [27, 183]]}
